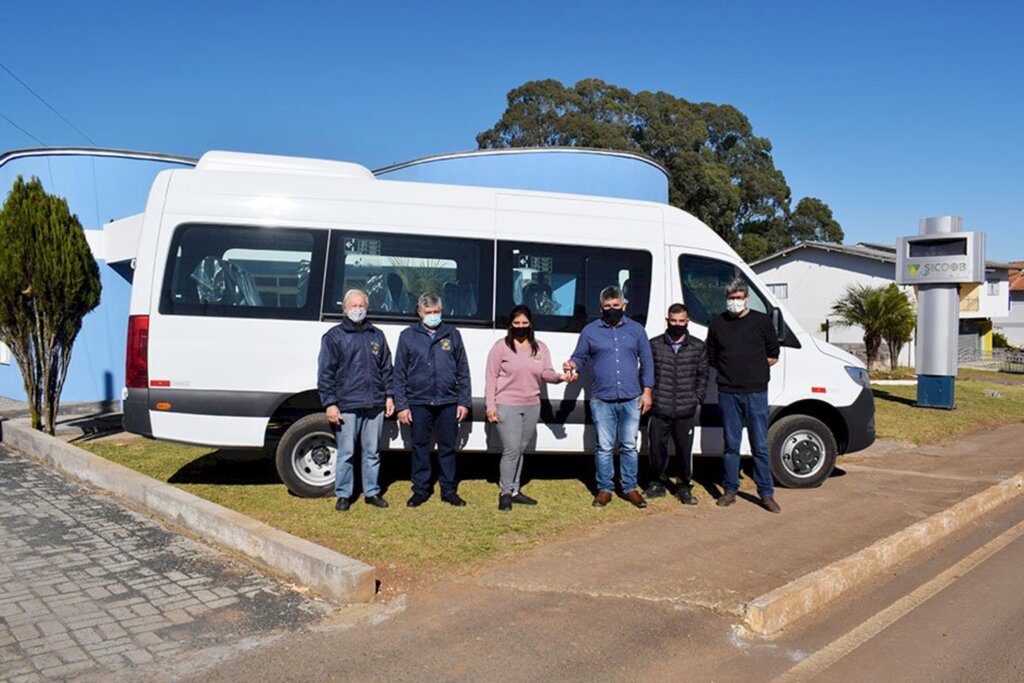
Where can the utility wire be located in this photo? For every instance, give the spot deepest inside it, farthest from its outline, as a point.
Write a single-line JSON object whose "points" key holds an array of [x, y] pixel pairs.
{"points": [[48, 105], [4, 117]]}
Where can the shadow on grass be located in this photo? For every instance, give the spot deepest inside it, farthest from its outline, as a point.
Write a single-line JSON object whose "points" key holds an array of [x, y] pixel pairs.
{"points": [[881, 395]]}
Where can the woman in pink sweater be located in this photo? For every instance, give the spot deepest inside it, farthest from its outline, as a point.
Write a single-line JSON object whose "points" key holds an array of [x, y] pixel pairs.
{"points": [[516, 366]]}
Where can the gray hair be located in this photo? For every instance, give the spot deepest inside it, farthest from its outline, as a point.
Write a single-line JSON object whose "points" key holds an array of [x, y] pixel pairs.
{"points": [[353, 292], [612, 292], [737, 285], [429, 300]]}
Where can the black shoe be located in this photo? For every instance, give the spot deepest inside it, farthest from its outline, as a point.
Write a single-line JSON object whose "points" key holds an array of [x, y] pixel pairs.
{"points": [[417, 499], [656, 489], [684, 496], [342, 505], [523, 499], [769, 504], [726, 499], [453, 499], [505, 502], [376, 501]]}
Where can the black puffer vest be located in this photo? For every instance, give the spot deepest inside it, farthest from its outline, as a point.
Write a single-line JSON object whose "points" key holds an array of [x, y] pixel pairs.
{"points": [[680, 378]]}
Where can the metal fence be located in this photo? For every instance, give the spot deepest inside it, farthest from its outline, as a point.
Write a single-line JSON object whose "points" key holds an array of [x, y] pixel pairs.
{"points": [[1012, 361]]}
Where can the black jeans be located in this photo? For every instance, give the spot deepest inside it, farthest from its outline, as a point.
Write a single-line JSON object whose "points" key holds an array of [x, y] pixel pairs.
{"points": [[681, 431], [442, 422]]}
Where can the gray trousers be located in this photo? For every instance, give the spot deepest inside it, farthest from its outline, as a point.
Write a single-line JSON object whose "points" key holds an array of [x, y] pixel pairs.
{"points": [[516, 427]]}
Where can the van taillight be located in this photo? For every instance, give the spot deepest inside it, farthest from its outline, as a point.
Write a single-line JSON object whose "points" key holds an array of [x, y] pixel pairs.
{"points": [[136, 375]]}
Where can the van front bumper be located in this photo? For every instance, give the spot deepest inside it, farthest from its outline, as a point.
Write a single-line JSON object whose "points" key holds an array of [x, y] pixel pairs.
{"points": [[859, 417]]}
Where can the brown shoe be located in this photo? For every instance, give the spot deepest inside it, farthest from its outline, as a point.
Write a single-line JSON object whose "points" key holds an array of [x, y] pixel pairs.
{"points": [[726, 499], [769, 504], [636, 499], [602, 498]]}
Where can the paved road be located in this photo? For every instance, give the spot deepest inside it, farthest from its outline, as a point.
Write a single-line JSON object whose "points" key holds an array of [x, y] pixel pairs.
{"points": [[89, 588]]}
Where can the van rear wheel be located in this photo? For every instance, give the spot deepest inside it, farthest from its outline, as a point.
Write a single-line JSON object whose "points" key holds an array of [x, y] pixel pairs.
{"points": [[306, 456], [802, 451]]}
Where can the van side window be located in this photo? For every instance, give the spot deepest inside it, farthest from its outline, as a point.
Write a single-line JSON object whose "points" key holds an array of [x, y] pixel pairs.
{"points": [[704, 280], [244, 272], [394, 270], [562, 284]]}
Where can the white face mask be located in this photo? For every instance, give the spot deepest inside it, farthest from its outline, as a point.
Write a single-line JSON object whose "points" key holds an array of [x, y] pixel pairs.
{"points": [[735, 306], [356, 315]]}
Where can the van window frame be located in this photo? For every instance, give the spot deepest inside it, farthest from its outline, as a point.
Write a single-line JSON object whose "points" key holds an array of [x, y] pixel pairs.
{"points": [[314, 292], [484, 317]]}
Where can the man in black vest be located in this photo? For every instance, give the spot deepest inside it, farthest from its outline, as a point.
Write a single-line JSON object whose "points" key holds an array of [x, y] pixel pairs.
{"points": [[680, 381]]}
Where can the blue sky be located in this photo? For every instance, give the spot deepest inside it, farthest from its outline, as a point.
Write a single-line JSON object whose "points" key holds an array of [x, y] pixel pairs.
{"points": [[888, 111]]}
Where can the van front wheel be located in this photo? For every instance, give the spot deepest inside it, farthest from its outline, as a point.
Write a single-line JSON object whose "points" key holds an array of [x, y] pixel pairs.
{"points": [[306, 455], [802, 451]]}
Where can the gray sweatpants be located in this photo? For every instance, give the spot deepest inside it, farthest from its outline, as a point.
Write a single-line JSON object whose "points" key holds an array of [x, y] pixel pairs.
{"points": [[516, 427]]}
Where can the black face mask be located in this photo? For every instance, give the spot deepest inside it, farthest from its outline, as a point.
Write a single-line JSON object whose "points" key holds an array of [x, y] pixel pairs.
{"points": [[676, 331], [520, 332], [612, 316]]}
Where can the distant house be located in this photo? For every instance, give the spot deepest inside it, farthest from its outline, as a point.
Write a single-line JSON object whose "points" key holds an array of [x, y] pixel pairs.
{"points": [[808, 277], [1013, 326]]}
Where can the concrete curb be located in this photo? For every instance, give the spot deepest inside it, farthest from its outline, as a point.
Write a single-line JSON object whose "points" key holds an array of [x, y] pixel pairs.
{"points": [[777, 609], [329, 573]]}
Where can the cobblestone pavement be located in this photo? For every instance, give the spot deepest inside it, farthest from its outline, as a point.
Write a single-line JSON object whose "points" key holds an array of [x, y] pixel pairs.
{"points": [[91, 589]]}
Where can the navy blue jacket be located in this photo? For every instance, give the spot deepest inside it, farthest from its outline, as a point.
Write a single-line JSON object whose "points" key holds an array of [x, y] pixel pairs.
{"points": [[354, 368], [429, 370]]}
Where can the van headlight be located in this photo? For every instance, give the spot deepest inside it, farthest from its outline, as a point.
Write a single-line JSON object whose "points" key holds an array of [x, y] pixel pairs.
{"points": [[859, 375]]}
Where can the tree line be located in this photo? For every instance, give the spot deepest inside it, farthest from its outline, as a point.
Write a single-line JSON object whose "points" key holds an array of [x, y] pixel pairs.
{"points": [[719, 171]]}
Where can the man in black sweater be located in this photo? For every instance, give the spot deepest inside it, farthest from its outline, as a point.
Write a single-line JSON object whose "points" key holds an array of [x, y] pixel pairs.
{"points": [[680, 381], [742, 347]]}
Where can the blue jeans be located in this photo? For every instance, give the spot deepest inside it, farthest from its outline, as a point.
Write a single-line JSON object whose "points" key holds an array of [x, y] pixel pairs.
{"points": [[365, 425], [750, 409], [617, 423]]}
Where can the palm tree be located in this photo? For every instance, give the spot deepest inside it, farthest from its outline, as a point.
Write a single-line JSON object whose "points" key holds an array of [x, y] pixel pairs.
{"points": [[863, 306], [899, 321]]}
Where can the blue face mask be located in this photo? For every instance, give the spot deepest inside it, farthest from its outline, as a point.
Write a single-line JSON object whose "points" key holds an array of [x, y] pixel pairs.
{"points": [[432, 320]]}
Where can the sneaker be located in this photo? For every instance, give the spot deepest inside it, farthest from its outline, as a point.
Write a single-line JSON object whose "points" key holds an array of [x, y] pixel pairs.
{"points": [[376, 501], [656, 489], [505, 502], [726, 499], [454, 499], [523, 499], [416, 500], [342, 505], [769, 504], [685, 496]]}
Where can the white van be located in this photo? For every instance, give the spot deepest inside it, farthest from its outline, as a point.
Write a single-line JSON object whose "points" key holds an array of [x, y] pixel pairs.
{"points": [[241, 263]]}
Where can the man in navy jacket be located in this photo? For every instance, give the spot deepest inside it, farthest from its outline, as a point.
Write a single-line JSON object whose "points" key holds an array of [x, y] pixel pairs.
{"points": [[355, 385], [432, 395]]}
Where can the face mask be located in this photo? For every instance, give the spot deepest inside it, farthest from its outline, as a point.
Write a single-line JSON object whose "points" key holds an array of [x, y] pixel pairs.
{"points": [[612, 316], [676, 331], [735, 306], [432, 320], [520, 332], [356, 315]]}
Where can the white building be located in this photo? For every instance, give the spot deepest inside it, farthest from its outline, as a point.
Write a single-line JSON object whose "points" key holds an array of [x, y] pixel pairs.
{"points": [[809, 277], [1013, 326]]}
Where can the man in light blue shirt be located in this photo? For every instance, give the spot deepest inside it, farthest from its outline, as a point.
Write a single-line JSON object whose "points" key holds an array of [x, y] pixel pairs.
{"points": [[619, 352]]}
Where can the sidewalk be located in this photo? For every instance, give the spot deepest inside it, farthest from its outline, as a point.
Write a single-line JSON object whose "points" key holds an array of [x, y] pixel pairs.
{"points": [[655, 594]]}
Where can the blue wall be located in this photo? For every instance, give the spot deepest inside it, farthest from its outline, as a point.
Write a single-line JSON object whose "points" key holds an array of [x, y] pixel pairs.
{"points": [[572, 171], [98, 190]]}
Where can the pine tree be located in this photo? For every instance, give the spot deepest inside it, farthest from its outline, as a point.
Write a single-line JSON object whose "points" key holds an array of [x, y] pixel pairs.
{"points": [[49, 281]]}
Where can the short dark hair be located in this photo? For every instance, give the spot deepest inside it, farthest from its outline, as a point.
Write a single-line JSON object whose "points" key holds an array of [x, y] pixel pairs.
{"points": [[611, 292], [678, 308]]}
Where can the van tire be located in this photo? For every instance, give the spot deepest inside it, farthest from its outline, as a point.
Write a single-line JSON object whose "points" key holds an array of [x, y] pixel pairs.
{"points": [[802, 451], [305, 457]]}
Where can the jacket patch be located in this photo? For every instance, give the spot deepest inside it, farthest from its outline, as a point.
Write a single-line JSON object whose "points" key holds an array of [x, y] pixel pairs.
{"points": [[446, 344], [374, 347]]}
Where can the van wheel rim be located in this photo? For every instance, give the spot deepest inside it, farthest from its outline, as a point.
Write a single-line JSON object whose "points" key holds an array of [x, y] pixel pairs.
{"points": [[313, 459], [803, 454]]}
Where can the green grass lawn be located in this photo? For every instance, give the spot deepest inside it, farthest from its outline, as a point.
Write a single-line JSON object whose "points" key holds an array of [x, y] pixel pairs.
{"points": [[408, 545], [405, 544], [897, 418]]}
